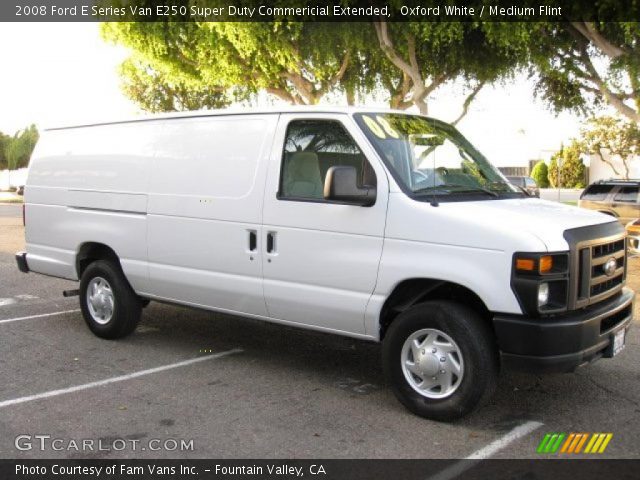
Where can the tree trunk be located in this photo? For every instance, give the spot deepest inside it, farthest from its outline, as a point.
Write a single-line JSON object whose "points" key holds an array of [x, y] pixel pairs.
{"points": [[422, 105], [607, 162], [351, 97]]}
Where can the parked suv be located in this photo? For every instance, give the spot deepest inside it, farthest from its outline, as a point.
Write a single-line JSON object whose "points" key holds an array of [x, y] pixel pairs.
{"points": [[618, 198], [526, 184]]}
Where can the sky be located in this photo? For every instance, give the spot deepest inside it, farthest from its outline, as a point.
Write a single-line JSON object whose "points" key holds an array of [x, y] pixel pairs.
{"points": [[64, 73]]}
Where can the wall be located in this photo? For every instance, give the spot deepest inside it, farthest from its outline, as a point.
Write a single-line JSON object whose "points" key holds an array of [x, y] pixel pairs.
{"points": [[598, 170], [16, 177]]}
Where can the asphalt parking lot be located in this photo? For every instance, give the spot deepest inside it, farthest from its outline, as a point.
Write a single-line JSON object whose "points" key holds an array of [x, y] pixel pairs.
{"points": [[275, 392]]}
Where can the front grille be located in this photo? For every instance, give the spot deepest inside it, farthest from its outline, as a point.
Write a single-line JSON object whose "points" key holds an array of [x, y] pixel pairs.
{"points": [[607, 248], [605, 286], [594, 283]]}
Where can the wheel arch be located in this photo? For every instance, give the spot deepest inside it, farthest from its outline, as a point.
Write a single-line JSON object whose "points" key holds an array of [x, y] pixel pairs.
{"points": [[412, 291], [89, 252]]}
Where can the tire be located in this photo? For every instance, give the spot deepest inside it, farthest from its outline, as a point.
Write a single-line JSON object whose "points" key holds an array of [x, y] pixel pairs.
{"points": [[467, 342], [111, 309]]}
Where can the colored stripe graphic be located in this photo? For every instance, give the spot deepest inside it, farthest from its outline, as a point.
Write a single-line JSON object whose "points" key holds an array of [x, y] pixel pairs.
{"points": [[598, 443], [543, 443], [583, 439], [606, 441], [557, 443], [550, 443], [565, 447], [573, 443]]}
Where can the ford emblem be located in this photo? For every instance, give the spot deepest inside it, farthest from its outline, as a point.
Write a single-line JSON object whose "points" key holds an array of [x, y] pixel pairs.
{"points": [[610, 267]]}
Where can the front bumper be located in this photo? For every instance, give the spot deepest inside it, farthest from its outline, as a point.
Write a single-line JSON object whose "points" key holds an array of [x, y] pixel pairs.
{"points": [[21, 260], [564, 342]]}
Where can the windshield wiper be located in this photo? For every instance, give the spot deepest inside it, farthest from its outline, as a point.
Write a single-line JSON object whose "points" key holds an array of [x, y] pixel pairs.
{"points": [[432, 189], [458, 188], [467, 188]]}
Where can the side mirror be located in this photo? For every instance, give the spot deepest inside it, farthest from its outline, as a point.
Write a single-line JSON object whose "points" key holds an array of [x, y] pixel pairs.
{"points": [[341, 185]]}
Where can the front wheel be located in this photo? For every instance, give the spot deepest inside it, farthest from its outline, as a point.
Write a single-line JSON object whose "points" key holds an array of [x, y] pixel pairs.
{"points": [[440, 359], [109, 305]]}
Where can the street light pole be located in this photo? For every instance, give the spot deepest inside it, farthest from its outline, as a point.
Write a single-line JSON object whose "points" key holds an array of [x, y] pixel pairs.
{"points": [[559, 170]]}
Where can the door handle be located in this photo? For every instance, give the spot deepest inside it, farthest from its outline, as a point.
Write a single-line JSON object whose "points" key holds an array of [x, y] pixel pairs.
{"points": [[253, 240], [271, 242]]}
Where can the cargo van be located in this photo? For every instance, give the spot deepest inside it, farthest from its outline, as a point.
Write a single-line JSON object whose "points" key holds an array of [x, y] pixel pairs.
{"points": [[378, 225]]}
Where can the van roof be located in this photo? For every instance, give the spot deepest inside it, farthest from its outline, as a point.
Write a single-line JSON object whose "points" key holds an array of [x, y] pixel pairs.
{"points": [[230, 111]]}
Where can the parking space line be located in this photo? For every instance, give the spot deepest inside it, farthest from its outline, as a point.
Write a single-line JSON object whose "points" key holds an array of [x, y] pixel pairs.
{"points": [[9, 320], [485, 452], [121, 378]]}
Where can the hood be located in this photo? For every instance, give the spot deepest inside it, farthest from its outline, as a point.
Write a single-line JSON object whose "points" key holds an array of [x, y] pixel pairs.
{"points": [[544, 219], [518, 224]]}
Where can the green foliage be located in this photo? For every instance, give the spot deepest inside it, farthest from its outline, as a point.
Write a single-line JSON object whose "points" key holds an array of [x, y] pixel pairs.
{"points": [[419, 57], [17, 149], [154, 92], [610, 136], [540, 174], [294, 61], [4, 141], [580, 66], [572, 169], [179, 65], [552, 172]]}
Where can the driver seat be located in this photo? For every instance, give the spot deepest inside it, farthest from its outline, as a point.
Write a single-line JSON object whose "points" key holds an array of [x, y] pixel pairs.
{"points": [[302, 177]]}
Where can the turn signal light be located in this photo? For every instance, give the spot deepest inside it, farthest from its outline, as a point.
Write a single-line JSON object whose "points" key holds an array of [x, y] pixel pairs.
{"points": [[546, 264], [527, 264]]}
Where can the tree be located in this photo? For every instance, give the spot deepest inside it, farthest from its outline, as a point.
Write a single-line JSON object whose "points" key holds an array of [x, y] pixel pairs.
{"points": [[294, 61], [18, 148], [4, 141], [302, 62], [540, 174], [582, 65], [572, 169], [609, 137], [427, 55], [154, 92]]}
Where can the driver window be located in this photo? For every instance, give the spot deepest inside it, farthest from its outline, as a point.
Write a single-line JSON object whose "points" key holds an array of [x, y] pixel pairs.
{"points": [[311, 148]]}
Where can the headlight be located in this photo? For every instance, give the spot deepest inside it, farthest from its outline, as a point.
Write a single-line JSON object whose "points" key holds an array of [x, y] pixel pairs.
{"points": [[540, 281], [543, 294]]}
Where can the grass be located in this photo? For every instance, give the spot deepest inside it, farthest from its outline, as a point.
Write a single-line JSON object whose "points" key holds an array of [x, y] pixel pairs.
{"points": [[573, 203]]}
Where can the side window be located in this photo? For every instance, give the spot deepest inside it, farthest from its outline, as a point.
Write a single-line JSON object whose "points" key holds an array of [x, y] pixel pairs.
{"points": [[597, 192], [312, 147], [530, 182], [627, 194]]}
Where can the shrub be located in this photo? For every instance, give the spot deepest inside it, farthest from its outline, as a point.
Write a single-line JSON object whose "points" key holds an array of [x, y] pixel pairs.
{"points": [[572, 170], [540, 174]]}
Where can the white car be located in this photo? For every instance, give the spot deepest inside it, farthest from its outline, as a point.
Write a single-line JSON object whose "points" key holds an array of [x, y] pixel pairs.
{"points": [[378, 225]]}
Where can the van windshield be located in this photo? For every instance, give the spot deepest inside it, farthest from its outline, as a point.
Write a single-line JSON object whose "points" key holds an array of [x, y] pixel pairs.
{"points": [[428, 157]]}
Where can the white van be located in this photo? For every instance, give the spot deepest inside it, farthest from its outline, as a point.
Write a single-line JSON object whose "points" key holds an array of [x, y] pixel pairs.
{"points": [[378, 225]]}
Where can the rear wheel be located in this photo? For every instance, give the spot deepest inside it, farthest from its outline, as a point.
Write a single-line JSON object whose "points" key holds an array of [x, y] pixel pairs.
{"points": [[440, 359], [109, 305]]}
